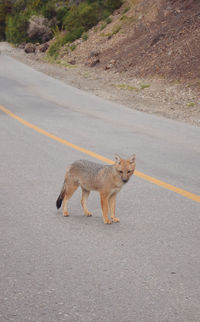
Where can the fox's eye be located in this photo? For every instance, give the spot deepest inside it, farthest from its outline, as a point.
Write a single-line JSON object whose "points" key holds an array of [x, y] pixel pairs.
{"points": [[129, 171], [120, 171]]}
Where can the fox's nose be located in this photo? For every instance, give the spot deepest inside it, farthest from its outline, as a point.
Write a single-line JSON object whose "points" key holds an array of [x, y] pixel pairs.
{"points": [[124, 180]]}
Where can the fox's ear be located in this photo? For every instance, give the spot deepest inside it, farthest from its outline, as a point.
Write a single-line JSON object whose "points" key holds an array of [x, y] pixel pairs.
{"points": [[117, 158], [132, 158]]}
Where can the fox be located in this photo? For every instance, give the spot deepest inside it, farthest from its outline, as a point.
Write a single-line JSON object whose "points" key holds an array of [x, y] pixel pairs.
{"points": [[105, 179]]}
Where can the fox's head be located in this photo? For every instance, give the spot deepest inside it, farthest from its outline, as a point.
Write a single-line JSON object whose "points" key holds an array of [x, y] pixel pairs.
{"points": [[125, 168]]}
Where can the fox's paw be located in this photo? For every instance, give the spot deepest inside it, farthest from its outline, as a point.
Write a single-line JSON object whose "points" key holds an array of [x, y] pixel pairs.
{"points": [[65, 214], [115, 219], [88, 214], [107, 221]]}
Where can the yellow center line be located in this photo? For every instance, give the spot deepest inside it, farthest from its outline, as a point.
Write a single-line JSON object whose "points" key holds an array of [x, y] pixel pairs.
{"points": [[139, 174]]}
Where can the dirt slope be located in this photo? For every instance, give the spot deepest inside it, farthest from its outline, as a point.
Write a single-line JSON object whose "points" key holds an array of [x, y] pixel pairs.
{"points": [[155, 38]]}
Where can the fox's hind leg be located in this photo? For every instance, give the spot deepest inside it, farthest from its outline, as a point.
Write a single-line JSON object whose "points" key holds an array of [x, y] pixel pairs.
{"points": [[85, 195], [69, 191]]}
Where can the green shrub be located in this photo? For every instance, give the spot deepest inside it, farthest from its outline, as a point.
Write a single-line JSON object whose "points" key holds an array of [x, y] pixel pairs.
{"points": [[54, 49], [111, 5], [61, 13], [5, 10], [48, 10], [84, 15], [16, 29], [105, 14], [74, 19], [37, 5], [19, 6], [73, 35], [78, 20], [18, 20], [60, 41]]}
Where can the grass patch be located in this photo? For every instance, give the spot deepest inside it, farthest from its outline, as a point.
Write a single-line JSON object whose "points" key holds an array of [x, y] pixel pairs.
{"points": [[72, 47], [116, 29], [86, 75], [105, 34], [127, 87], [143, 86], [48, 59], [128, 20], [105, 23], [123, 18], [108, 20], [66, 65], [85, 36], [103, 26], [132, 88], [191, 104], [126, 9]]}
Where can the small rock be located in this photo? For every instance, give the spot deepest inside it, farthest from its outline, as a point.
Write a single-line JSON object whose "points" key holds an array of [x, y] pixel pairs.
{"points": [[22, 45], [113, 61], [94, 62], [94, 53], [110, 64], [30, 48], [116, 12], [72, 61], [44, 47]]}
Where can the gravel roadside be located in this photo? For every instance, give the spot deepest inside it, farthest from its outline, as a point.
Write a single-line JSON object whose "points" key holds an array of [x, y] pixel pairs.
{"points": [[171, 100]]}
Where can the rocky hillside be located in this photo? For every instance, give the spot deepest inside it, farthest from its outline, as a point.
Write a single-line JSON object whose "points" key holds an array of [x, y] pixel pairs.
{"points": [[142, 38], [145, 38]]}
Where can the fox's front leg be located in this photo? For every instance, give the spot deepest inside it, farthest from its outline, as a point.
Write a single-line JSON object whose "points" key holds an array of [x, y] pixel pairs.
{"points": [[104, 206], [112, 202]]}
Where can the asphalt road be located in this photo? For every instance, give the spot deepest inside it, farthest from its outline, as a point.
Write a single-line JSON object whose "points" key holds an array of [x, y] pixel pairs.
{"points": [[52, 269]]}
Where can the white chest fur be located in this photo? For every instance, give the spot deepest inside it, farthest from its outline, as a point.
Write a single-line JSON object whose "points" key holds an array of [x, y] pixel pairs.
{"points": [[115, 190]]}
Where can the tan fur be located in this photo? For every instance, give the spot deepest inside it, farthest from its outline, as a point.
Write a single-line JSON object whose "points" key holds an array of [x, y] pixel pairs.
{"points": [[106, 179]]}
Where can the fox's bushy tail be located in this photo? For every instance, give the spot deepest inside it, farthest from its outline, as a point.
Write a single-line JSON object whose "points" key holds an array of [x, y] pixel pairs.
{"points": [[60, 198]]}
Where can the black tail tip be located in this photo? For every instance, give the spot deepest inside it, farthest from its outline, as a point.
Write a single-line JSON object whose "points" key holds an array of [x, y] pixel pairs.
{"points": [[58, 202]]}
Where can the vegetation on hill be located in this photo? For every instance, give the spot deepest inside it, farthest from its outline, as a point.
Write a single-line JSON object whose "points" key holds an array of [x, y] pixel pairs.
{"points": [[72, 17], [5, 10]]}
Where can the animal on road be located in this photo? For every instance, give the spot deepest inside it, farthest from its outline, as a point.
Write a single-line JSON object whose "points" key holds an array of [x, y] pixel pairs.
{"points": [[106, 179]]}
